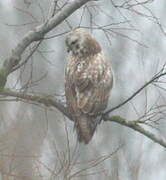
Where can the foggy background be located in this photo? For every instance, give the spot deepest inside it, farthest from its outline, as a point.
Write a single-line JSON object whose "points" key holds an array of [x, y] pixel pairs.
{"points": [[38, 142]]}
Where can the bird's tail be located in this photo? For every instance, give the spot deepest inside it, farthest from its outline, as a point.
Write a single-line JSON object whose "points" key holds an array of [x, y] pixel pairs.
{"points": [[85, 126]]}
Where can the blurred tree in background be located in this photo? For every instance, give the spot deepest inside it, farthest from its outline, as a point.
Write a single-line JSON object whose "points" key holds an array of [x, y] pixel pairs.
{"points": [[37, 139]]}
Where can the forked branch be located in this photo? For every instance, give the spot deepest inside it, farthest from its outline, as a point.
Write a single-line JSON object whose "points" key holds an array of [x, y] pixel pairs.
{"points": [[36, 35], [50, 101]]}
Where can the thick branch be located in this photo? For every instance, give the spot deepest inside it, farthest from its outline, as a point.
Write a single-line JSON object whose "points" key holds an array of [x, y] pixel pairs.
{"points": [[135, 126], [46, 100], [51, 101], [36, 35]]}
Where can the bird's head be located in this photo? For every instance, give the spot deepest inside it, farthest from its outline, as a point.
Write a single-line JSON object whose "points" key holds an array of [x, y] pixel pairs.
{"points": [[81, 43]]}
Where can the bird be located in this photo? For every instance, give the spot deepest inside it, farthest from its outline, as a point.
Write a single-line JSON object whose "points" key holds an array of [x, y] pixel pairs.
{"points": [[88, 82]]}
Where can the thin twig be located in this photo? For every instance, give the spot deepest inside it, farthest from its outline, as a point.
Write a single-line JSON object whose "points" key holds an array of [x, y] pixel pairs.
{"points": [[137, 92]]}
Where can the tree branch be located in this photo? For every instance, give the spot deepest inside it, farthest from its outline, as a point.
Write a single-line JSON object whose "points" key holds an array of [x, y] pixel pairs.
{"points": [[135, 126], [51, 101], [36, 35], [153, 79], [46, 100]]}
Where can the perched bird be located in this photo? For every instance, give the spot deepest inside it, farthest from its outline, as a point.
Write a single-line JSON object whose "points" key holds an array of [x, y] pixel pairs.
{"points": [[88, 81]]}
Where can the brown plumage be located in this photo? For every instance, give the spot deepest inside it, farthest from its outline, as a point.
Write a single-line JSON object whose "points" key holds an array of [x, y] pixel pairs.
{"points": [[88, 81]]}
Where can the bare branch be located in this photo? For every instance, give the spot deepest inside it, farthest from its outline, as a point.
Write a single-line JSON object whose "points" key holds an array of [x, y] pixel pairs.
{"points": [[51, 101], [153, 79], [94, 163], [46, 100], [135, 126], [13, 62], [36, 35]]}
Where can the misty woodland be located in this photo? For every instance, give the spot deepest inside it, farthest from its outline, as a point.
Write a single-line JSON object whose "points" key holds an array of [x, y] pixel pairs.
{"points": [[82, 90]]}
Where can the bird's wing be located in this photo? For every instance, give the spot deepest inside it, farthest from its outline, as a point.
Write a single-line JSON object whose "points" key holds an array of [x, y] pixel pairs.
{"points": [[93, 92]]}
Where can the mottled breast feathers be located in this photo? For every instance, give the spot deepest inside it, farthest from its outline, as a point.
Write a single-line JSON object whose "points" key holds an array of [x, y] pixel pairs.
{"points": [[88, 81]]}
